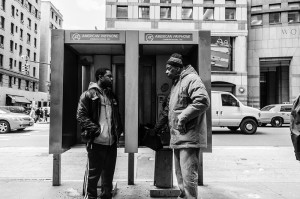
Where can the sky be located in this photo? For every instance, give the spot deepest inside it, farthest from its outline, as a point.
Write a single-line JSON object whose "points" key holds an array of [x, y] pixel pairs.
{"points": [[81, 14]]}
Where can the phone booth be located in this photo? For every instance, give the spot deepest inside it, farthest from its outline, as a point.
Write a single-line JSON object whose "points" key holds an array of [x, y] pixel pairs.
{"points": [[137, 60]]}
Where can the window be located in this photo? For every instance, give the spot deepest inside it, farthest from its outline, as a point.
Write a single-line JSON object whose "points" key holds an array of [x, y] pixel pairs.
{"points": [[286, 108], [16, 46], [228, 100], [144, 12], [208, 13], [229, 13], [1, 79], [1, 41], [19, 83], [34, 43], [15, 80], [144, 1], [274, 18], [13, 11], [221, 53], [2, 5], [122, 12], [12, 28], [59, 22], [21, 33], [20, 50], [35, 13], [293, 16], [22, 2], [35, 27], [2, 22], [34, 71], [27, 85], [165, 12], [52, 14], [256, 8], [274, 6], [11, 63], [11, 46], [187, 13], [56, 18], [22, 18], [29, 7], [15, 63], [230, 2], [187, 1], [20, 66], [16, 29], [28, 38], [10, 81], [29, 23], [33, 84], [256, 20], [294, 5], [34, 56], [165, 1], [28, 52], [208, 1], [1, 60]]}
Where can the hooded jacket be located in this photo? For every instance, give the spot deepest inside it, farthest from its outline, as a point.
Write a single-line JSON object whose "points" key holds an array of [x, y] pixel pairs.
{"points": [[89, 111], [187, 104]]}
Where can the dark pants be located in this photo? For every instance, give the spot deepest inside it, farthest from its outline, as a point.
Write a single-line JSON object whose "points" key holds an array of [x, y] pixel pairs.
{"points": [[101, 162]]}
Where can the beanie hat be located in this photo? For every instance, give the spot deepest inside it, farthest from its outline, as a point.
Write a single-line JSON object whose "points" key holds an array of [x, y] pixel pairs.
{"points": [[175, 60]]}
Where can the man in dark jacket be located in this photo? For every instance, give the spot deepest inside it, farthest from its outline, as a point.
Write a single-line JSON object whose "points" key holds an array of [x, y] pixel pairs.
{"points": [[185, 113], [99, 118], [295, 127]]}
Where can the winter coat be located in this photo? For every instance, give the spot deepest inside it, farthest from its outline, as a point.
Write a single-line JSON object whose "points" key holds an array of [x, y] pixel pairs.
{"points": [[89, 111], [295, 127], [188, 102]]}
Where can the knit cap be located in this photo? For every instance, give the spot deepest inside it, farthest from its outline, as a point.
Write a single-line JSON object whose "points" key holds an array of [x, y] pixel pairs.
{"points": [[175, 60]]}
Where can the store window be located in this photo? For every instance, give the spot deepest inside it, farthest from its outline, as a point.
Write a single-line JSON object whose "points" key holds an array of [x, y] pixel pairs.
{"points": [[230, 13], [256, 20], [208, 13], [293, 16], [256, 8], [187, 13], [2, 5], [274, 18], [165, 12], [275, 6], [2, 22], [122, 11], [144, 12], [221, 53]]}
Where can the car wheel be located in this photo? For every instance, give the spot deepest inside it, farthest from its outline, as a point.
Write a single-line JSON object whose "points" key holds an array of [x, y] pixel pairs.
{"points": [[233, 128], [248, 126], [276, 122], [4, 127]]}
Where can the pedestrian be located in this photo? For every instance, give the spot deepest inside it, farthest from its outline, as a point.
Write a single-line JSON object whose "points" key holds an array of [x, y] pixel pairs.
{"points": [[294, 127], [185, 113], [41, 115], [37, 115], [32, 113], [99, 118], [45, 115]]}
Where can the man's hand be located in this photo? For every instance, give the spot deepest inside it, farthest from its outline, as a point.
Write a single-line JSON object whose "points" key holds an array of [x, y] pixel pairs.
{"points": [[181, 128]]}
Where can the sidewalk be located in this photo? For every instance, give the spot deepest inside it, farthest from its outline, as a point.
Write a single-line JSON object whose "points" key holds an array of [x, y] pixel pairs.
{"points": [[229, 173]]}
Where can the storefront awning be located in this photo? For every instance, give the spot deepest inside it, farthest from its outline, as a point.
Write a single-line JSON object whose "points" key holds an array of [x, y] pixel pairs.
{"points": [[19, 99]]}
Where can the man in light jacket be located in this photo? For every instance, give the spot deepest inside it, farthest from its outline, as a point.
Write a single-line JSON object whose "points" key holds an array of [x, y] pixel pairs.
{"points": [[185, 112]]}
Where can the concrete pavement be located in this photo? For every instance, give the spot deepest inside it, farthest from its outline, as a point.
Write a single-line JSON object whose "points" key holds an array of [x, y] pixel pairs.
{"points": [[244, 172]]}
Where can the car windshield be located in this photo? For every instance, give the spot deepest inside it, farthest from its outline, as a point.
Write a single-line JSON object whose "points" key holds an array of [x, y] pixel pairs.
{"points": [[267, 108], [3, 110]]}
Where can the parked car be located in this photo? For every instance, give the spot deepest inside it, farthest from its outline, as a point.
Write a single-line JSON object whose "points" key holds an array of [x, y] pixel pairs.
{"points": [[228, 111], [13, 121], [276, 114], [16, 109]]}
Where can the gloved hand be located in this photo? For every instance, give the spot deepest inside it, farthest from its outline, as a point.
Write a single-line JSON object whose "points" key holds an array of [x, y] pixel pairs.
{"points": [[181, 128]]}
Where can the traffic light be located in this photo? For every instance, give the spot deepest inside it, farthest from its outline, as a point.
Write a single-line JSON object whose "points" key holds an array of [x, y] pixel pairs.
{"points": [[25, 68]]}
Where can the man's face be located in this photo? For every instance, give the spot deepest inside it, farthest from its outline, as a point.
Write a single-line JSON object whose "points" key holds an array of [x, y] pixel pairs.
{"points": [[107, 79], [172, 72]]}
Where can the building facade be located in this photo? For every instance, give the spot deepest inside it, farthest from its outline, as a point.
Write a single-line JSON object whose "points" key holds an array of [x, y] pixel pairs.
{"points": [[19, 49], [273, 51], [226, 19], [51, 19]]}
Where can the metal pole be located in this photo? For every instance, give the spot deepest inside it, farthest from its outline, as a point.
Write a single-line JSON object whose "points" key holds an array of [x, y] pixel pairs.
{"points": [[56, 178], [130, 168], [200, 169]]}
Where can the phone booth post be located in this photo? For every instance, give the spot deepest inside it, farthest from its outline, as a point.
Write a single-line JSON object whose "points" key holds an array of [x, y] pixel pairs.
{"points": [[137, 60]]}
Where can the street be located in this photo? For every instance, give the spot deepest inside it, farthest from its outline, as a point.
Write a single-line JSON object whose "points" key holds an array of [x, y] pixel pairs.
{"points": [[240, 167]]}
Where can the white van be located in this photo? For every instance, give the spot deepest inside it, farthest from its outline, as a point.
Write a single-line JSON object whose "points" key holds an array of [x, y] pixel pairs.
{"points": [[228, 111]]}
